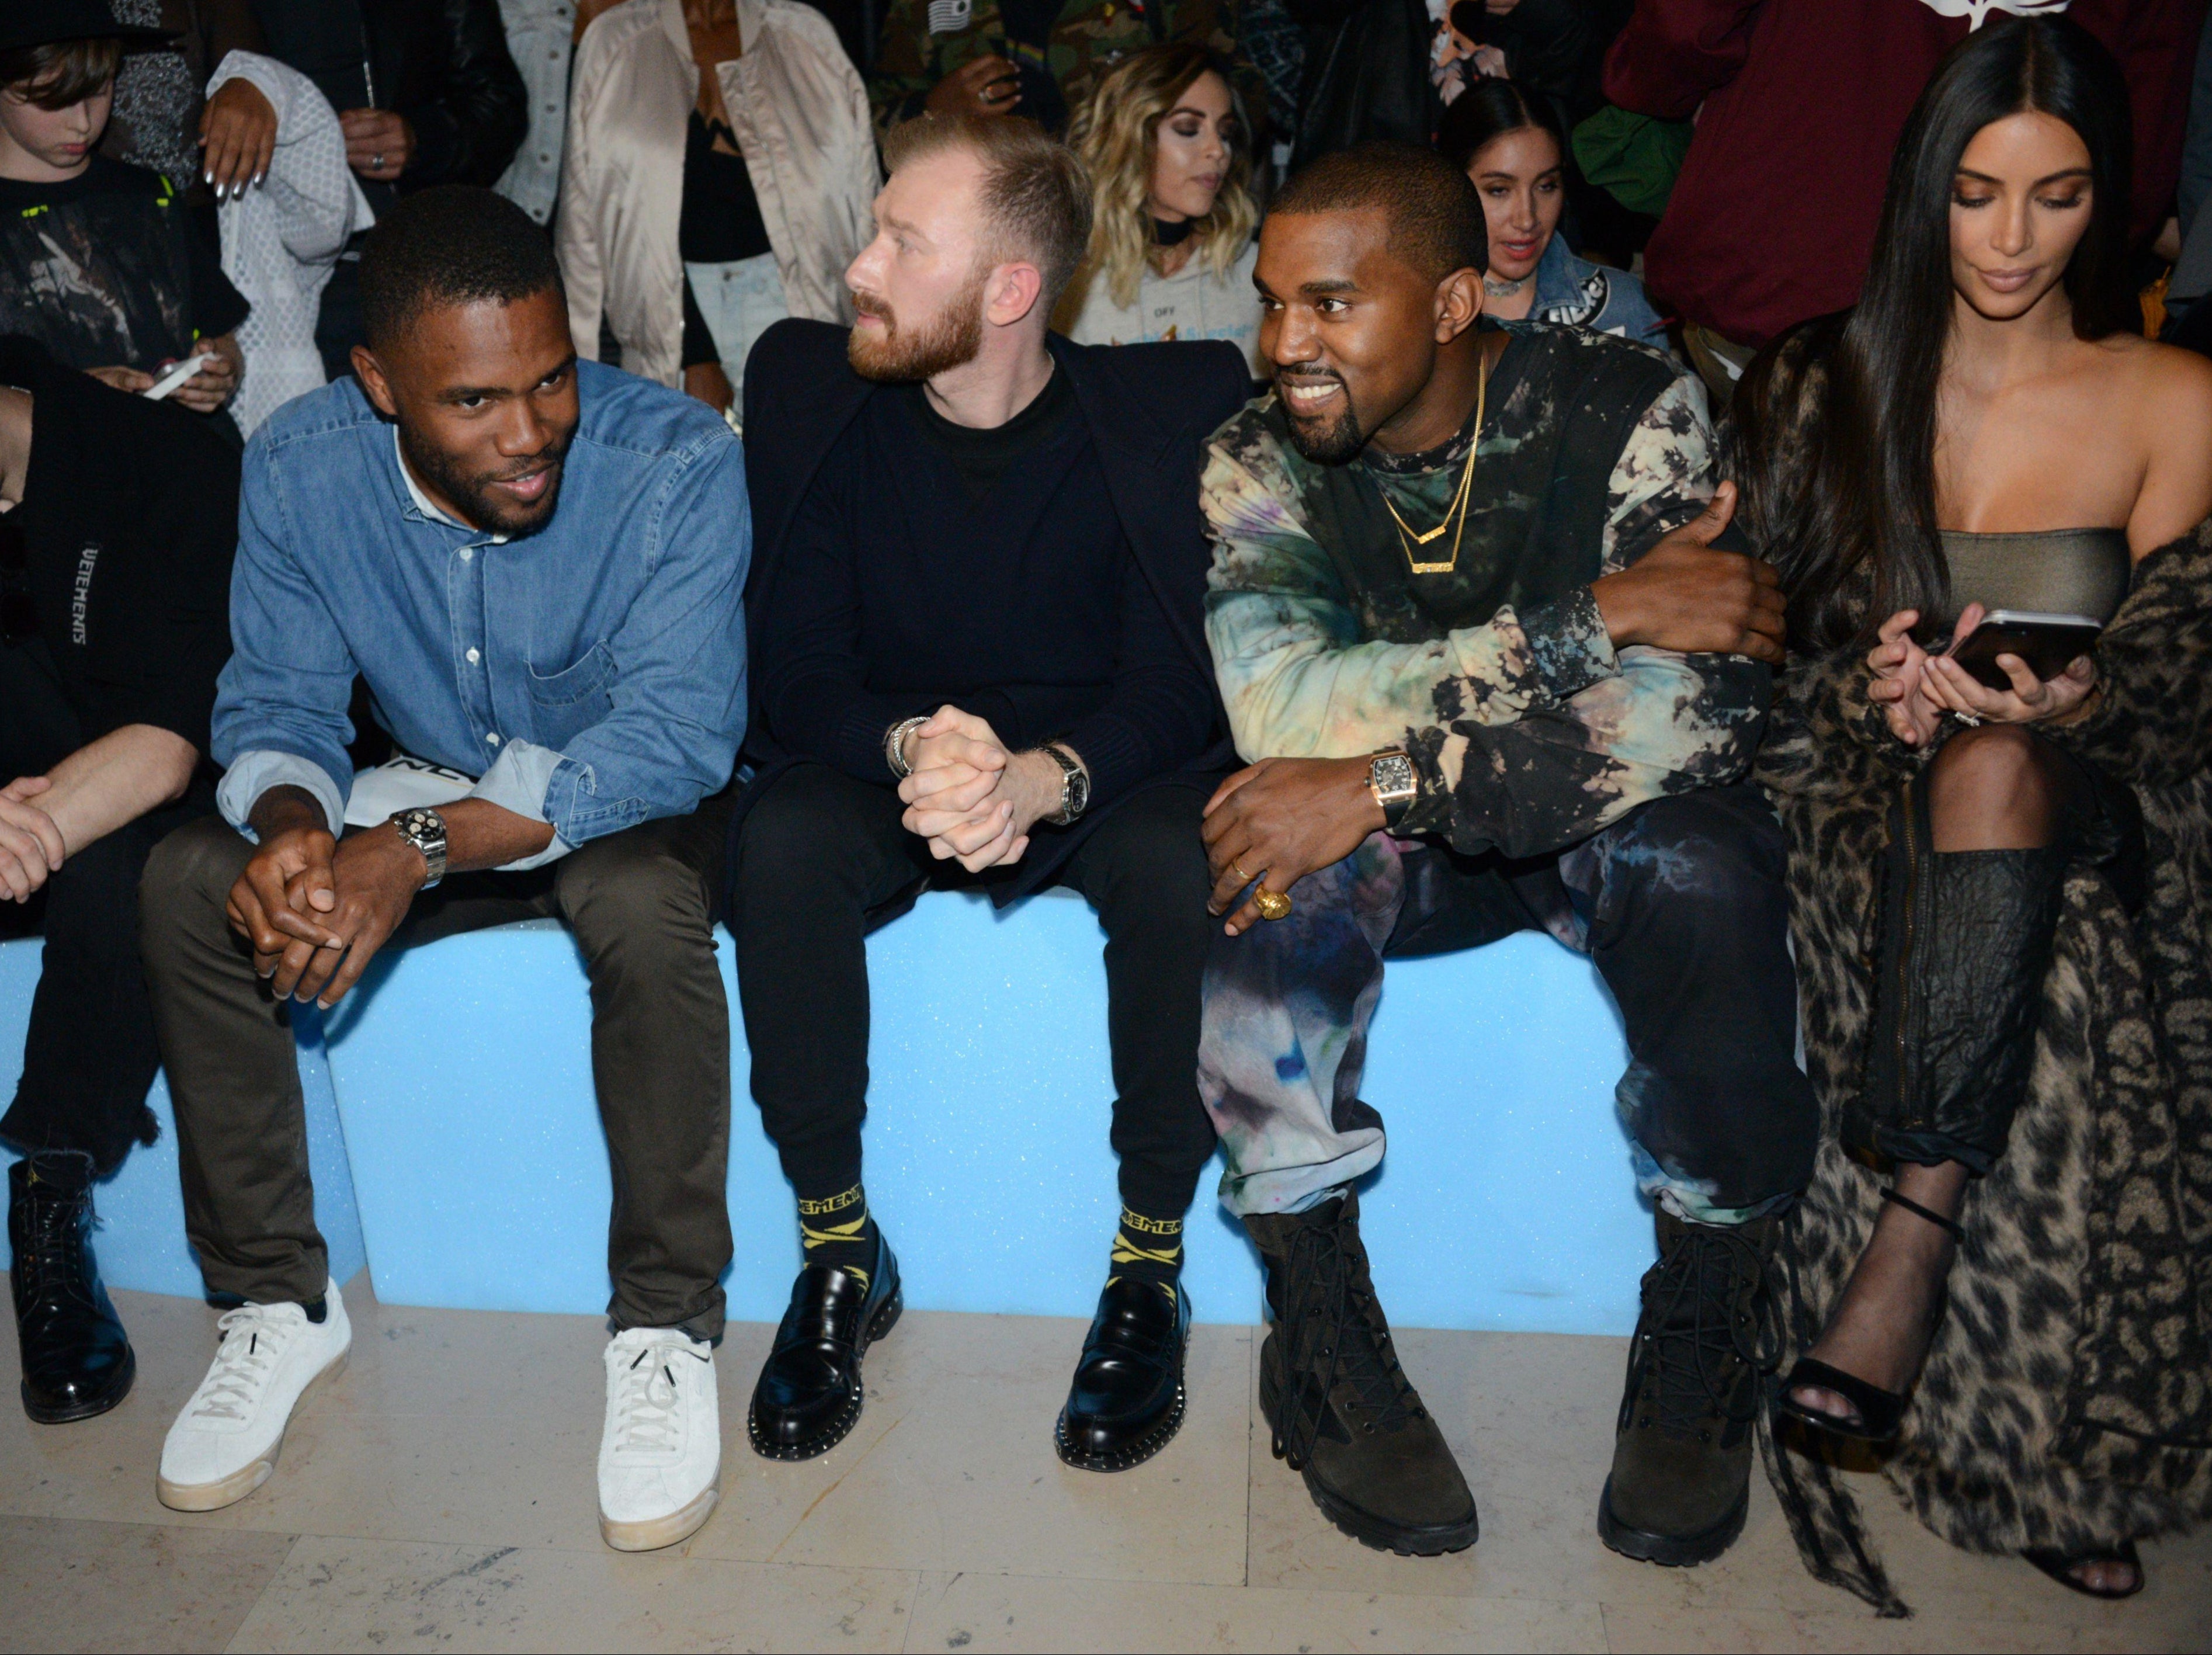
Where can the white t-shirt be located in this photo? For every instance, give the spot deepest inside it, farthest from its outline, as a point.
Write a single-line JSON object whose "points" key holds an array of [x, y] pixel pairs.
{"points": [[1191, 304]]}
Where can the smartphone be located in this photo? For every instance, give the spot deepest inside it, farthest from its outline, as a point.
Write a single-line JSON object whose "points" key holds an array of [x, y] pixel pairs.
{"points": [[176, 376], [2048, 643]]}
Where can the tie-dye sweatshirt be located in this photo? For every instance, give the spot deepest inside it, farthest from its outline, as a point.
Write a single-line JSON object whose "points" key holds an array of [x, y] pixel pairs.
{"points": [[1528, 730]]}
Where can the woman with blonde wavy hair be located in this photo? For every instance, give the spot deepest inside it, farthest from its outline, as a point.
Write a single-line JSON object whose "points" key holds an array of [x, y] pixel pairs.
{"points": [[1169, 152]]}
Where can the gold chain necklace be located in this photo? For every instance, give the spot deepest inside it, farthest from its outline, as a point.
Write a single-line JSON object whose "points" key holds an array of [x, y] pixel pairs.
{"points": [[1408, 539]]}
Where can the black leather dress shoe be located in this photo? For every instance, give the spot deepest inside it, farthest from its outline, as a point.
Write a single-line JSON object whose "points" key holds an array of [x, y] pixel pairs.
{"points": [[1128, 1399], [77, 1360], [809, 1395]]}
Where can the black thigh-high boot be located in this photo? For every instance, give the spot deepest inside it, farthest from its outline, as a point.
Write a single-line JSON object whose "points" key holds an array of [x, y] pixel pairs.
{"points": [[1965, 944]]}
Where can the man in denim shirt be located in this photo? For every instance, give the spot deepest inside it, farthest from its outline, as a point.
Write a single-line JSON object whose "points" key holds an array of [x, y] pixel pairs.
{"points": [[537, 565]]}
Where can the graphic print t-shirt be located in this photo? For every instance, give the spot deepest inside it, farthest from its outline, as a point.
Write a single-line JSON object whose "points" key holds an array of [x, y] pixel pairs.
{"points": [[108, 271]]}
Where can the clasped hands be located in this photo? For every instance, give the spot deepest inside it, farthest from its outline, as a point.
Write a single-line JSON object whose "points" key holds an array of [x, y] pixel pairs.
{"points": [[315, 909], [974, 800], [1915, 688]]}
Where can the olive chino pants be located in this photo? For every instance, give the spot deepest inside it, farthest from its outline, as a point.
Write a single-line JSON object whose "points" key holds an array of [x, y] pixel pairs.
{"points": [[641, 905]]}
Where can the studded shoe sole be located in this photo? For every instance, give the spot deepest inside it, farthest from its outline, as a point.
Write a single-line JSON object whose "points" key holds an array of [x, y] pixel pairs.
{"points": [[839, 1428], [229, 1491], [1431, 1540], [90, 1410], [1670, 1551], [1134, 1455]]}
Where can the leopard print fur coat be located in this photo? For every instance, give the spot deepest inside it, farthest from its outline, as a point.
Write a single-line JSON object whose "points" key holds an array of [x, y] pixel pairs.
{"points": [[2067, 1399]]}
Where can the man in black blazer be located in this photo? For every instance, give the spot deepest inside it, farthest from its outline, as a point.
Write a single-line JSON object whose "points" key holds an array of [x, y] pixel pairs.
{"points": [[979, 660]]}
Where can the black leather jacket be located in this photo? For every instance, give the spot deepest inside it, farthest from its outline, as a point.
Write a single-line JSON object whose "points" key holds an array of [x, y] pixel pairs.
{"points": [[443, 65]]}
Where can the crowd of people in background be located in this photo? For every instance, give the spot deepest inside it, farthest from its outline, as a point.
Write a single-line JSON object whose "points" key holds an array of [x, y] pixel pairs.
{"points": [[1326, 481]]}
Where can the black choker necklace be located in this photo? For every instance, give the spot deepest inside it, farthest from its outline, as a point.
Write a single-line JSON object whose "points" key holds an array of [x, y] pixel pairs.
{"points": [[1165, 235]]}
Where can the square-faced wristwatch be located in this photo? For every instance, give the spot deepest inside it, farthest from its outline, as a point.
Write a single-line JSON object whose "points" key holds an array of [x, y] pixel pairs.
{"points": [[425, 830], [1395, 783]]}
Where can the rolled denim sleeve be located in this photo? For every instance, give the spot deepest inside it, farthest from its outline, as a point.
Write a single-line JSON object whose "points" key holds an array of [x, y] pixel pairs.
{"points": [[252, 774], [679, 687], [517, 782], [281, 703]]}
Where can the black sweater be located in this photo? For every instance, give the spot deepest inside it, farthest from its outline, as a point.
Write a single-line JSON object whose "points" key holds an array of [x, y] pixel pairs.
{"points": [[1066, 601]]}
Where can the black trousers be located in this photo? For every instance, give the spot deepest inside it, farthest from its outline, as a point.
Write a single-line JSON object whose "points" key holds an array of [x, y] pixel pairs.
{"points": [[822, 860], [90, 1053]]}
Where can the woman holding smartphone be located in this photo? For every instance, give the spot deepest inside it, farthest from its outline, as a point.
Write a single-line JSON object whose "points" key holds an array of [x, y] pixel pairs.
{"points": [[1986, 1010]]}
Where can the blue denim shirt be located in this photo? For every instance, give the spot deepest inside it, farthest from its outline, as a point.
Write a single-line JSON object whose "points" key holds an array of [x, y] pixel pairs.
{"points": [[1577, 292], [593, 674]]}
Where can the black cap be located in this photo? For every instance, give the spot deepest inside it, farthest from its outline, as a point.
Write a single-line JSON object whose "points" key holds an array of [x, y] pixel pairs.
{"points": [[42, 22]]}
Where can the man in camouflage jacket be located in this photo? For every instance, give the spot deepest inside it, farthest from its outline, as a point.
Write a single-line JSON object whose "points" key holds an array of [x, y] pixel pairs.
{"points": [[1018, 57], [1489, 674]]}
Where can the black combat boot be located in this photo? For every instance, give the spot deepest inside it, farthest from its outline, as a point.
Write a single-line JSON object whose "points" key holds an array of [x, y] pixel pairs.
{"points": [[1681, 1462], [77, 1360], [809, 1394], [1343, 1413]]}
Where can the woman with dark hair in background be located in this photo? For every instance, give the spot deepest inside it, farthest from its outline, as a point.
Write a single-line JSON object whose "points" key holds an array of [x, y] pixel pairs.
{"points": [[1995, 1011], [1511, 144]]}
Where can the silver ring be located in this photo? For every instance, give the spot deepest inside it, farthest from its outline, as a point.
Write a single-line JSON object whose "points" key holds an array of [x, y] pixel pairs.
{"points": [[1974, 719]]}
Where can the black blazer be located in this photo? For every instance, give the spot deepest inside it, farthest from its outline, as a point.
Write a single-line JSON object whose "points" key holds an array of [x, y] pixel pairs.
{"points": [[1150, 408]]}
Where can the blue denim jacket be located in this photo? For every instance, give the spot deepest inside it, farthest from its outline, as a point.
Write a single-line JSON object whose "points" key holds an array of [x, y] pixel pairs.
{"points": [[593, 674], [1596, 296]]}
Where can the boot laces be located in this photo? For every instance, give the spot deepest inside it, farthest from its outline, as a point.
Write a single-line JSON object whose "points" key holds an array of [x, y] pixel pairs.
{"points": [[52, 1261], [1333, 1330], [649, 1399], [1693, 1340]]}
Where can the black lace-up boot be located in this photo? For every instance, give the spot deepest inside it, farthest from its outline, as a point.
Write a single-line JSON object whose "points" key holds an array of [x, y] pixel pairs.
{"points": [[1343, 1413], [76, 1360], [1681, 1463]]}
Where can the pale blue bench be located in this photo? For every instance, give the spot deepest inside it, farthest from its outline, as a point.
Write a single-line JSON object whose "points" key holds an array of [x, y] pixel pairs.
{"points": [[470, 1147]]}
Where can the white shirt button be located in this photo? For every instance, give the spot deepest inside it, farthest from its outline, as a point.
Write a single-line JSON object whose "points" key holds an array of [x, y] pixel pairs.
{"points": [[474, 657], [468, 554], [492, 739]]}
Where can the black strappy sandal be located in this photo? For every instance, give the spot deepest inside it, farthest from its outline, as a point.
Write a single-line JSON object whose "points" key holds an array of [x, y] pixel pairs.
{"points": [[2060, 1567], [1877, 1414]]}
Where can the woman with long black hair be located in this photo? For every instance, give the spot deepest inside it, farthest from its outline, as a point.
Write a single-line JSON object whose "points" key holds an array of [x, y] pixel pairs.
{"points": [[1998, 1272]]}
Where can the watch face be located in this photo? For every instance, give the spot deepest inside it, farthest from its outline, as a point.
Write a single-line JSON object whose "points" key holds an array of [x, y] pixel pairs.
{"points": [[1393, 775]]}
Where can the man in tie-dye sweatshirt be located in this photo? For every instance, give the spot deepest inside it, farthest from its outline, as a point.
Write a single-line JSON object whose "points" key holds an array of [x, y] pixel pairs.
{"points": [[1489, 673]]}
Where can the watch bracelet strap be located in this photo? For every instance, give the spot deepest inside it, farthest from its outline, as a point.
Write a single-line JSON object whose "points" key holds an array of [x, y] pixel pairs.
{"points": [[1394, 810], [1069, 769]]}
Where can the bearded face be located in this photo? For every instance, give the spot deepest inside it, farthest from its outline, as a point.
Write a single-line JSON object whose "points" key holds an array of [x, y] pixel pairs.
{"points": [[888, 348]]}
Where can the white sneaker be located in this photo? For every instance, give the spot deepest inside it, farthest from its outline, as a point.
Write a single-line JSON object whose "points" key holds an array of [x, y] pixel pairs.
{"points": [[224, 1445], [660, 1456]]}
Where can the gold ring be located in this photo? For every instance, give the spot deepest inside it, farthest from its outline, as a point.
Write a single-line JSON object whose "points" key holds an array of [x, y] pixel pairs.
{"points": [[1237, 868], [1272, 905]]}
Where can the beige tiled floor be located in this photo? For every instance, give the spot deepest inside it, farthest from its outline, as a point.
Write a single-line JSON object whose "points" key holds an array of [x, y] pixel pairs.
{"points": [[440, 1496]]}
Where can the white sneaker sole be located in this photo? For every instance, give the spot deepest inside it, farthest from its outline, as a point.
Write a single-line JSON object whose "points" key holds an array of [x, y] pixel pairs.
{"points": [[654, 1533], [229, 1491]]}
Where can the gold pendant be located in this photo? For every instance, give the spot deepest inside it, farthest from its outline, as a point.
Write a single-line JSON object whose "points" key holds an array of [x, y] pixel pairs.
{"points": [[1432, 569]]}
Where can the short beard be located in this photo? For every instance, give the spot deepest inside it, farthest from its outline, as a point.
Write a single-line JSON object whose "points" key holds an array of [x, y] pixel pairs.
{"points": [[1332, 444], [473, 493], [952, 340]]}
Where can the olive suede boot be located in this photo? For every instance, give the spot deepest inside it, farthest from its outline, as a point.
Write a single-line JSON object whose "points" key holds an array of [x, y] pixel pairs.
{"points": [[1681, 1461], [1342, 1411]]}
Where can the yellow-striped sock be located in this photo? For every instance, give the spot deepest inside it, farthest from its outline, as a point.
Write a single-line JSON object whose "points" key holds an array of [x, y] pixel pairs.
{"points": [[839, 1230], [1148, 1250]]}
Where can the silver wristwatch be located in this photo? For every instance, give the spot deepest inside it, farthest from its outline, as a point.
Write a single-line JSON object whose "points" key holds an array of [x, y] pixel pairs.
{"points": [[894, 745], [1074, 787], [1392, 780], [425, 830]]}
